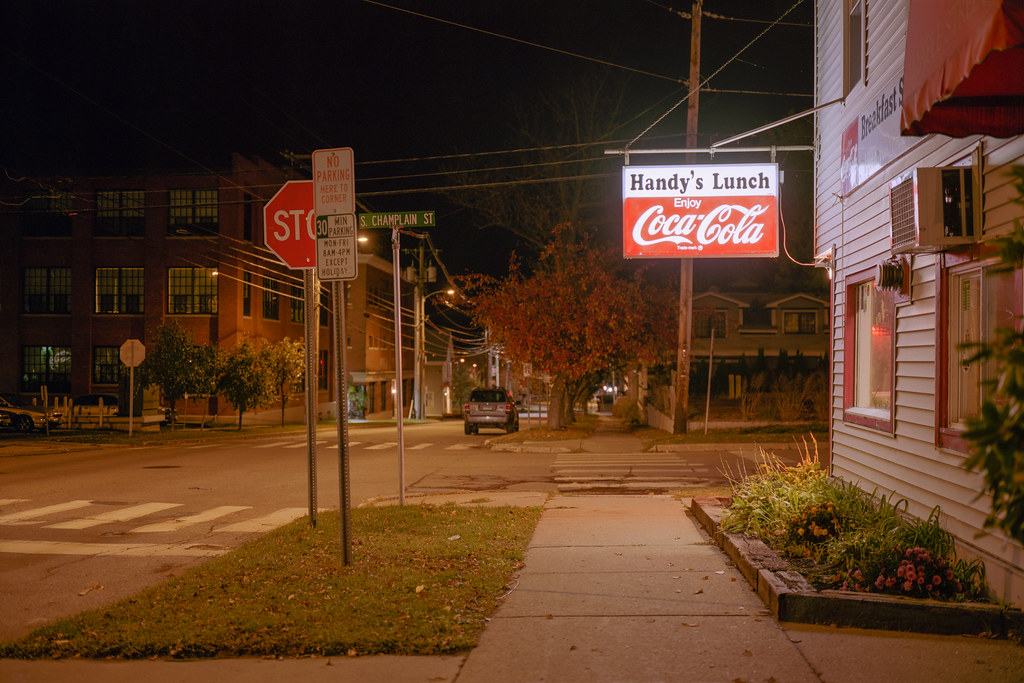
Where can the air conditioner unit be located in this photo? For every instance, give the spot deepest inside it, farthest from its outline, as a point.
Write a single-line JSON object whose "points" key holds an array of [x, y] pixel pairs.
{"points": [[934, 209]]}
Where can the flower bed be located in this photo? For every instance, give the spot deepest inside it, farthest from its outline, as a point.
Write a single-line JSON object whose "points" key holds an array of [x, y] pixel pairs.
{"points": [[790, 597]]}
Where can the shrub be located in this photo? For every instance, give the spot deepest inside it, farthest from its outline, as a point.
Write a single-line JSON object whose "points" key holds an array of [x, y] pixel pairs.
{"points": [[859, 541], [627, 410]]}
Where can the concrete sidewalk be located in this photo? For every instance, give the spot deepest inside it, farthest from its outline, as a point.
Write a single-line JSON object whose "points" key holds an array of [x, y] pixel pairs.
{"points": [[615, 588]]}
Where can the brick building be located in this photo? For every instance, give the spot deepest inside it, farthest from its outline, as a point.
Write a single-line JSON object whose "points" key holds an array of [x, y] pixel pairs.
{"points": [[91, 262]]}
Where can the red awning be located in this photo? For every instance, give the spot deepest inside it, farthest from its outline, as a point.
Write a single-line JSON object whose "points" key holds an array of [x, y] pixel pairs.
{"points": [[963, 73]]}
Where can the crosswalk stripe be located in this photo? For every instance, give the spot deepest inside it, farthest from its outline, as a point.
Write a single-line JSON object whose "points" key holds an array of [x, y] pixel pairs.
{"points": [[8, 501], [265, 523], [123, 515], [382, 446], [26, 516], [273, 444], [183, 522], [201, 446], [130, 549], [459, 447], [418, 447]]}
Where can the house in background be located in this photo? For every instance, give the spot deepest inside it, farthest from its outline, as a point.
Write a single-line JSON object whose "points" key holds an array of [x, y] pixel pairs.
{"points": [[743, 327], [91, 262], [912, 183]]}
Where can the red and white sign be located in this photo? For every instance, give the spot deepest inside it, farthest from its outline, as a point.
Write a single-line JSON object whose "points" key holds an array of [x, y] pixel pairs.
{"points": [[289, 227], [333, 181], [700, 211]]}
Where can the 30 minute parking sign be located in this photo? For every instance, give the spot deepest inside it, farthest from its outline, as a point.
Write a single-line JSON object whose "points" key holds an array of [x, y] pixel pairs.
{"points": [[336, 254]]}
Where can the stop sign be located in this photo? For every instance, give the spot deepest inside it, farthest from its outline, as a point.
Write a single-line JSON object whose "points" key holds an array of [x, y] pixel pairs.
{"points": [[289, 228]]}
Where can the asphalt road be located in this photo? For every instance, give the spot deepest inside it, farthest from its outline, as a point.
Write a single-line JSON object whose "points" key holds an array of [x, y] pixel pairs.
{"points": [[83, 528]]}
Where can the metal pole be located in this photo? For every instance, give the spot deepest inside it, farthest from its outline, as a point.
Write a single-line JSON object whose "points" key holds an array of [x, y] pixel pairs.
{"points": [[399, 402], [711, 364], [312, 302], [341, 392]]}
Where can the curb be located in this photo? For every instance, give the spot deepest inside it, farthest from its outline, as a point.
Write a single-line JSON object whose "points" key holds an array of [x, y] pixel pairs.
{"points": [[789, 597]]}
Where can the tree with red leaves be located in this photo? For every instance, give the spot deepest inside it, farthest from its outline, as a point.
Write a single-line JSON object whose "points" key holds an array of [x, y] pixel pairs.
{"points": [[575, 318]]}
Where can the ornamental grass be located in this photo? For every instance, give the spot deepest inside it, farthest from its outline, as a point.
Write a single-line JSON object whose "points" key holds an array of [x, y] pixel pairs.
{"points": [[841, 537]]}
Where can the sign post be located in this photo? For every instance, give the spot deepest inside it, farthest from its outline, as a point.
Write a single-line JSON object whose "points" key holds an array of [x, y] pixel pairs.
{"points": [[395, 221], [337, 260], [132, 355], [288, 232]]}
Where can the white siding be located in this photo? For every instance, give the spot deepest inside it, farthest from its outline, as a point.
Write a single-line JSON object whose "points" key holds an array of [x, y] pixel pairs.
{"points": [[906, 463]]}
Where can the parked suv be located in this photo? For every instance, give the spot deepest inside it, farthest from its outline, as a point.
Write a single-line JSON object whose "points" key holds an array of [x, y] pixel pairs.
{"points": [[490, 408]]}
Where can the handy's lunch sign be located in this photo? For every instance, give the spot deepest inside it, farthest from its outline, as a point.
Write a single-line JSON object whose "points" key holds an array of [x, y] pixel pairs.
{"points": [[700, 211]]}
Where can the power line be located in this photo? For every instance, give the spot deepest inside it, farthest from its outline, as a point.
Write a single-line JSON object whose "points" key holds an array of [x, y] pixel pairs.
{"points": [[526, 42]]}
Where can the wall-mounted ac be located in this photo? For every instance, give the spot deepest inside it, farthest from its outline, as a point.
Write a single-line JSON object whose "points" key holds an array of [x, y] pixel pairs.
{"points": [[934, 209]]}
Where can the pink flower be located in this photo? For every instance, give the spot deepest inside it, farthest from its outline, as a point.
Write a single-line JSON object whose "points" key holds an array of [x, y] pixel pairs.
{"points": [[907, 585], [880, 581], [890, 582], [936, 580], [920, 580], [899, 570]]}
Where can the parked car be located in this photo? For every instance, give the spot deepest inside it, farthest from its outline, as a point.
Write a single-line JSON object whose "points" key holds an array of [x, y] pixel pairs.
{"points": [[24, 416], [89, 404], [490, 408]]}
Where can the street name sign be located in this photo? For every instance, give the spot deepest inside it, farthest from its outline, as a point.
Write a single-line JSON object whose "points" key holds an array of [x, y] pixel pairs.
{"points": [[398, 219], [288, 224], [333, 182], [336, 256]]}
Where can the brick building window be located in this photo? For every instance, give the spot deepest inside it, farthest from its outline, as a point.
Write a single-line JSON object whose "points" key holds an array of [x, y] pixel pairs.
{"points": [[120, 290], [193, 212], [106, 364], [246, 294], [191, 290], [120, 213], [271, 299], [48, 366], [47, 290], [47, 215], [298, 313]]}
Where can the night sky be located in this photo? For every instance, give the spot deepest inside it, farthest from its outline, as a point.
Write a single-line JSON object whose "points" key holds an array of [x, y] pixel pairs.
{"points": [[117, 87]]}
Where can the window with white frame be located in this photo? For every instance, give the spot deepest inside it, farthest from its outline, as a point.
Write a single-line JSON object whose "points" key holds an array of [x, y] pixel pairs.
{"points": [[870, 355], [980, 298]]}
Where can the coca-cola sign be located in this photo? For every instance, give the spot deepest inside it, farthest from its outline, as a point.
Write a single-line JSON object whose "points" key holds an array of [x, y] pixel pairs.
{"points": [[700, 211]]}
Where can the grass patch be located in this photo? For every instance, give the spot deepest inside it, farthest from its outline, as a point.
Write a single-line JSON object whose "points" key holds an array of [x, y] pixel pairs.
{"points": [[422, 581], [777, 432]]}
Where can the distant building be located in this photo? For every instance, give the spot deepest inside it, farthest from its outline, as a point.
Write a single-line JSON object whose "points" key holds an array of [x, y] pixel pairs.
{"points": [[91, 262]]}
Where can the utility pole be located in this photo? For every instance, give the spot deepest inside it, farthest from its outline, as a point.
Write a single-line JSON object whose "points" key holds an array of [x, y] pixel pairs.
{"points": [[686, 263]]}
